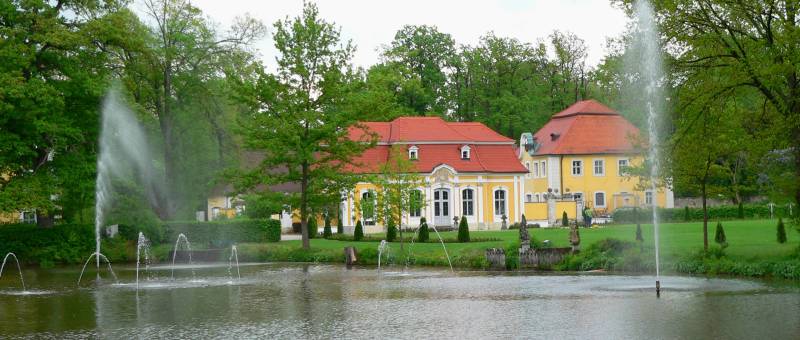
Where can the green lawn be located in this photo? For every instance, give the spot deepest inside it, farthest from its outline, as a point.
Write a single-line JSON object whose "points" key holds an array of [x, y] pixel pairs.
{"points": [[748, 240]]}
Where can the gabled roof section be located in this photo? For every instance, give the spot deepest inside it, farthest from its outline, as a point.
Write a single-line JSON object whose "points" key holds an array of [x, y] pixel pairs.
{"points": [[586, 127], [586, 107], [421, 130]]}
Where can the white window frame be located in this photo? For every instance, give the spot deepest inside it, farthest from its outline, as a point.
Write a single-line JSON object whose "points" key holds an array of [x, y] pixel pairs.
{"points": [[605, 199], [543, 172], [535, 169], [602, 167], [496, 200], [652, 197], [530, 171], [465, 149], [470, 201], [413, 153], [536, 197], [372, 220], [529, 198], [575, 196], [620, 171], [579, 167]]}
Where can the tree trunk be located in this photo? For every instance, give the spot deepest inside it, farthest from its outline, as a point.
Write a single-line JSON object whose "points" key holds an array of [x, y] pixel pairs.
{"points": [[400, 226], [304, 207], [705, 217]]}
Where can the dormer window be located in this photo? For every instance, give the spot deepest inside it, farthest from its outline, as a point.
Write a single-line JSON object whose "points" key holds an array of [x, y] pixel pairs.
{"points": [[465, 152], [413, 153]]}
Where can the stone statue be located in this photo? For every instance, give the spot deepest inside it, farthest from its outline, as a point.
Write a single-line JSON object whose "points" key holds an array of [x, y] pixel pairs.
{"points": [[574, 237], [524, 238], [504, 224]]}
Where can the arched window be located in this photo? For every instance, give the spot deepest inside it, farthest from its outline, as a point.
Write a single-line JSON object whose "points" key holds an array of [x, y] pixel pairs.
{"points": [[465, 152], [368, 207], [413, 152], [500, 202], [468, 202]]}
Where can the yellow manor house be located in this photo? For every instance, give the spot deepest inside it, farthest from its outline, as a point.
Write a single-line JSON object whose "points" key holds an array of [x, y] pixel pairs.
{"points": [[581, 156], [468, 169]]}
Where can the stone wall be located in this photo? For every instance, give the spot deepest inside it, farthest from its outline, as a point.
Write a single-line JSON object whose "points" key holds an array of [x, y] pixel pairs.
{"points": [[543, 257], [496, 258]]}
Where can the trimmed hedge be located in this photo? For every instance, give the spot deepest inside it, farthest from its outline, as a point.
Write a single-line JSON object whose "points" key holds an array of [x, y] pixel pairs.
{"points": [[225, 232], [686, 214], [66, 243]]}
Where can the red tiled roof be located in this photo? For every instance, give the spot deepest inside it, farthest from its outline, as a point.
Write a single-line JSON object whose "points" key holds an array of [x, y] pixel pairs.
{"points": [[439, 143], [586, 127]]}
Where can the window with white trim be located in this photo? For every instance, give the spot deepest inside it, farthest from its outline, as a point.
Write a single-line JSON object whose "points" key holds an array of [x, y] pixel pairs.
{"points": [[528, 166], [413, 153], [465, 152], [467, 202], [648, 197], [599, 167], [600, 199], [368, 207], [535, 169], [544, 168], [577, 168], [528, 197], [622, 167], [28, 216], [499, 202], [536, 198]]}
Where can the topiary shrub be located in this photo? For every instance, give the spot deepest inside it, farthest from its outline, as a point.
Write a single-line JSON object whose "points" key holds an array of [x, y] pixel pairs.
{"points": [[391, 231], [312, 227], [781, 231], [686, 215], [639, 236], [326, 232], [423, 234], [719, 236], [463, 230], [740, 215], [273, 230], [564, 219], [358, 233], [339, 226]]}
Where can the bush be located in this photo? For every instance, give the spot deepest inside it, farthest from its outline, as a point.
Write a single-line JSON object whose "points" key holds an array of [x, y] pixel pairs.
{"points": [[326, 232], [719, 236], [781, 231], [67, 243], [423, 234], [463, 230], [391, 232], [639, 236], [741, 210], [313, 229], [339, 225], [687, 214], [358, 233], [564, 219], [225, 232]]}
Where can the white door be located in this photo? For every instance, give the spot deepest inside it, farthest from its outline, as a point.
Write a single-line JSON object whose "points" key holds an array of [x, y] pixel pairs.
{"points": [[441, 207]]}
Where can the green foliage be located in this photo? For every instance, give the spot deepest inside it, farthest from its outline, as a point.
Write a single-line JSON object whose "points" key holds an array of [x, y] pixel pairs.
{"points": [[313, 228], [719, 236], [260, 206], [339, 226], [463, 230], [741, 211], [423, 234], [724, 212], [607, 254], [68, 243], [564, 219], [298, 122], [686, 216], [358, 233], [225, 232], [639, 237], [391, 232], [781, 231], [326, 233]]}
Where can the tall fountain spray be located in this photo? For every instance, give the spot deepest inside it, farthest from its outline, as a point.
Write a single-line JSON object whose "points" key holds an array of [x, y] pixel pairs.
{"points": [[644, 66], [142, 248], [21, 280], [123, 153]]}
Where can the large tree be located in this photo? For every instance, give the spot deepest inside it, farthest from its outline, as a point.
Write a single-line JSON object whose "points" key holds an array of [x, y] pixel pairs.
{"points": [[298, 121], [53, 75], [398, 193], [741, 44]]}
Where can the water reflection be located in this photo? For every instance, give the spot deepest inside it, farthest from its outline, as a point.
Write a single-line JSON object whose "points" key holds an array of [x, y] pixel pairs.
{"points": [[321, 301]]}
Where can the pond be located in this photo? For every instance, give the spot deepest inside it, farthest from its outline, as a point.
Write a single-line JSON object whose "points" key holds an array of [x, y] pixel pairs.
{"points": [[331, 301]]}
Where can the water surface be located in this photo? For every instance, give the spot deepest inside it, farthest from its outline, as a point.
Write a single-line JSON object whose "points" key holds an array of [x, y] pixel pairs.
{"points": [[329, 301]]}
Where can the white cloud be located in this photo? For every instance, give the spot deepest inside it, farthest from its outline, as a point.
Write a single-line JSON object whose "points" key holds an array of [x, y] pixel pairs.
{"points": [[371, 24]]}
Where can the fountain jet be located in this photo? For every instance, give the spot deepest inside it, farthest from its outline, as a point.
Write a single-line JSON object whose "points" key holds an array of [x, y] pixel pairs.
{"points": [[21, 280], [97, 255], [175, 252]]}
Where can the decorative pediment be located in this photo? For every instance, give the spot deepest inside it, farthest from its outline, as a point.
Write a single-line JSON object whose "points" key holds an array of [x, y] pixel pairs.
{"points": [[442, 173]]}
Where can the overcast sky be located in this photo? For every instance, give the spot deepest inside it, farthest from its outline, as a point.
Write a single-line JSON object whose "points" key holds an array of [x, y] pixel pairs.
{"points": [[372, 23]]}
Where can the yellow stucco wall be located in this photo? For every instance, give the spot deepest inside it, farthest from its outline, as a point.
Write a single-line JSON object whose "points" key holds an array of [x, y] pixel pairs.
{"points": [[535, 211], [620, 190]]}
